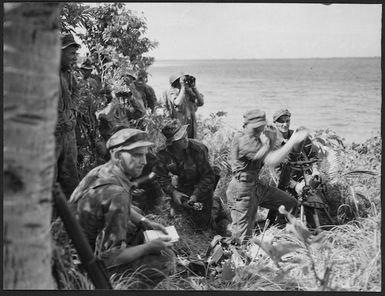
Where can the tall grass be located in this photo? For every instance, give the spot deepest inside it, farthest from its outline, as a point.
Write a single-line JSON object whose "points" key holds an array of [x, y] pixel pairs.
{"points": [[349, 258]]}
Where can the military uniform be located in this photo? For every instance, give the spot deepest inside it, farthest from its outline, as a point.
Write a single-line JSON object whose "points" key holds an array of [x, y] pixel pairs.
{"points": [[195, 177], [102, 204], [245, 192], [66, 150], [149, 196], [148, 95], [86, 122], [287, 176], [185, 111]]}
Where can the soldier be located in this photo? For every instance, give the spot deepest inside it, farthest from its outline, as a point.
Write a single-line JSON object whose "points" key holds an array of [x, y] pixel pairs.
{"points": [[250, 150], [182, 100], [66, 171], [135, 98], [188, 160], [146, 90], [86, 122], [289, 180], [102, 205]]}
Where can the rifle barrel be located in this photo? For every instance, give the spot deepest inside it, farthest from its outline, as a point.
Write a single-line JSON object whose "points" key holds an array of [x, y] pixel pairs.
{"points": [[90, 262]]}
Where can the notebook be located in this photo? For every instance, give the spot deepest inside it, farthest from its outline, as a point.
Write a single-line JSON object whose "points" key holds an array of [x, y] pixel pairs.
{"points": [[150, 235]]}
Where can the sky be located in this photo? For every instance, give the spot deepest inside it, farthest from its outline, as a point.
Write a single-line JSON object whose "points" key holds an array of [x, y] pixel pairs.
{"points": [[260, 30]]}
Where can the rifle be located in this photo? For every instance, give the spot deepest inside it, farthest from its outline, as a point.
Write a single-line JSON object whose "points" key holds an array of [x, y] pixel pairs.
{"points": [[93, 266]]}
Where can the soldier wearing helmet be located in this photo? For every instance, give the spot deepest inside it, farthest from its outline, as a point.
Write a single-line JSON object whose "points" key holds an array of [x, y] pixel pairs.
{"points": [[66, 172], [102, 205], [182, 100]]}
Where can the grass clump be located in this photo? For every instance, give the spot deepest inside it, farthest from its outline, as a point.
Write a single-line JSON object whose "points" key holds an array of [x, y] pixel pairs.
{"points": [[345, 258]]}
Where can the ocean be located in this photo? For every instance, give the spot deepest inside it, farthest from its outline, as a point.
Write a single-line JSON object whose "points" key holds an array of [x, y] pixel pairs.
{"points": [[343, 94]]}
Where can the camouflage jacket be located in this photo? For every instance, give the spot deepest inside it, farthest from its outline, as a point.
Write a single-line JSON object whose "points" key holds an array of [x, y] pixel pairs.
{"points": [[195, 175], [102, 202]]}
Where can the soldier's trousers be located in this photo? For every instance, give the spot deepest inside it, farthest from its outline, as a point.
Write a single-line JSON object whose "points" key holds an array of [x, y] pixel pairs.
{"points": [[66, 172], [245, 197]]}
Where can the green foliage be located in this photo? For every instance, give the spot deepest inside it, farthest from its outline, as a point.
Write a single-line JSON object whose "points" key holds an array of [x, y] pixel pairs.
{"points": [[73, 15], [213, 132], [346, 258], [115, 36], [65, 262]]}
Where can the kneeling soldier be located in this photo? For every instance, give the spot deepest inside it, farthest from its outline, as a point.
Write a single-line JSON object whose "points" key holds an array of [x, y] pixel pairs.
{"points": [[188, 160], [102, 204]]}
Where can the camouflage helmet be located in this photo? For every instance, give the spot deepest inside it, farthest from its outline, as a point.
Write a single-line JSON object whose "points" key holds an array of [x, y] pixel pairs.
{"points": [[128, 139]]}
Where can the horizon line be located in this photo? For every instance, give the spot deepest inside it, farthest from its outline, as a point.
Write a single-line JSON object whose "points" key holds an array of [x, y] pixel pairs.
{"points": [[237, 59]]}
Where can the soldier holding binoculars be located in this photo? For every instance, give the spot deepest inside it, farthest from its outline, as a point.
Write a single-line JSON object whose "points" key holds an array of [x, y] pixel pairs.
{"points": [[182, 100]]}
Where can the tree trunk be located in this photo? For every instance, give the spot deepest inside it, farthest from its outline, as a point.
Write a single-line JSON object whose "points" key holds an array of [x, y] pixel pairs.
{"points": [[31, 84]]}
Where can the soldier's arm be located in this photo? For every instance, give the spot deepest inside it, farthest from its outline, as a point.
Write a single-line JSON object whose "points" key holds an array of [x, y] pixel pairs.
{"points": [[164, 179], [136, 102], [199, 97], [131, 254], [274, 157], [116, 216], [180, 98], [151, 97], [206, 182], [234, 150]]}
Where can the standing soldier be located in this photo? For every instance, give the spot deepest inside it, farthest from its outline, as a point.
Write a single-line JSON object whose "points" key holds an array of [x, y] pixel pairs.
{"points": [[86, 122], [250, 150], [182, 100], [102, 205], [135, 98], [188, 160], [147, 91], [66, 151]]}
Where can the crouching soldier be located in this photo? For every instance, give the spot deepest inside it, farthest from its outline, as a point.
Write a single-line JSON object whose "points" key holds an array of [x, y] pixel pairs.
{"points": [[102, 205], [188, 160]]}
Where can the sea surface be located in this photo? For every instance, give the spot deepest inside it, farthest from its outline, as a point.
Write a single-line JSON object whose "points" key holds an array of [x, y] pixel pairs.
{"points": [[343, 94]]}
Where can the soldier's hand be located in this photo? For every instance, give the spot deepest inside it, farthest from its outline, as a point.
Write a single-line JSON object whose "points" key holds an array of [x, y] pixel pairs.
{"points": [[137, 192], [132, 85], [264, 140], [156, 245], [192, 199], [156, 226], [177, 197], [182, 80], [271, 133], [299, 187]]}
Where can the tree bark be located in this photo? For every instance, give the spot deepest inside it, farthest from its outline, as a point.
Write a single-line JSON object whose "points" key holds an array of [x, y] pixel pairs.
{"points": [[31, 84]]}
